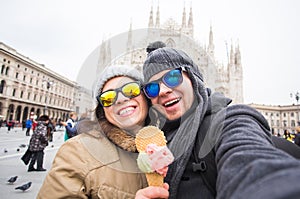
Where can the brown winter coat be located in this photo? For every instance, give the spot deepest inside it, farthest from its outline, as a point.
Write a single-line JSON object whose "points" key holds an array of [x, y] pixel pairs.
{"points": [[90, 167]]}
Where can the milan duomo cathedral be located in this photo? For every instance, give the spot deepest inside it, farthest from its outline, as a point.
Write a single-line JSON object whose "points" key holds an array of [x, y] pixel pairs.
{"points": [[130, 48]]}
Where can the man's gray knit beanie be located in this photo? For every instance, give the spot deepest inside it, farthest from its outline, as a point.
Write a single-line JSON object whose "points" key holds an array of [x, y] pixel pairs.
{"points": [[115, 71], [167, 58]]}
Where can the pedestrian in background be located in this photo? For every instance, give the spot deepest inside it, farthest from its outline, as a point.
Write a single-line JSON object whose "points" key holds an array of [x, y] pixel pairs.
{"points": [[288, 136], [13, 123], [34, 124], [28, 126], [297, 136], [23, 125], [50, 130], [38, 143], [73, 130], [71, 122], [9, 125]]}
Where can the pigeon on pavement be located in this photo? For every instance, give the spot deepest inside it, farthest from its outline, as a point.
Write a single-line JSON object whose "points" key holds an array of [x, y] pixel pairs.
{"points": [[24, 187], [12, 179]]}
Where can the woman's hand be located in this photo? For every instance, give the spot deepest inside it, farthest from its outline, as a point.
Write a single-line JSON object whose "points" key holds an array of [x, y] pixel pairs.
{"points": [[153, 192]]}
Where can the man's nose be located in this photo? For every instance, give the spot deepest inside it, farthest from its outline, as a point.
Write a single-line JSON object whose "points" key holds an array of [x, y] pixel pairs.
{"points": [[164, 90]]}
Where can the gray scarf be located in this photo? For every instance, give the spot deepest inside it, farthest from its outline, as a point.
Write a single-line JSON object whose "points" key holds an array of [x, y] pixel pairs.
{"points": [[182, 138]]}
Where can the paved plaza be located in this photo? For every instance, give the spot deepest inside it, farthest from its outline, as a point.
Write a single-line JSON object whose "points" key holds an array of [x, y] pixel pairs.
{"points": [[13, 145]]}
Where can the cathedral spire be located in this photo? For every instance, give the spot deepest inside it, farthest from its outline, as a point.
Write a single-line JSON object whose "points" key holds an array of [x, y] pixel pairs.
{"points": [[211, 46], [129, 39], [157, 24], [150, 24], [183, 25], [191, 23], [231, 54], [102, 57], [238, 55]]}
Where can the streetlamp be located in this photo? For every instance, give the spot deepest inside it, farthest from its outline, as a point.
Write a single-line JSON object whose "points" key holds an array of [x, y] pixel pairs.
{"points": [[297, 97], [48, 85]]}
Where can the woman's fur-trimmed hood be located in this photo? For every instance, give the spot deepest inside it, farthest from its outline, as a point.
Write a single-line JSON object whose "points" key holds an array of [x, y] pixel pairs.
{"points": [[104, 128]]}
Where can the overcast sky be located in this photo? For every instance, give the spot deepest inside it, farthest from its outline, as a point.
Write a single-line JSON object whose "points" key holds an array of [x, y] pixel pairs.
{"points": [[61, 34]]}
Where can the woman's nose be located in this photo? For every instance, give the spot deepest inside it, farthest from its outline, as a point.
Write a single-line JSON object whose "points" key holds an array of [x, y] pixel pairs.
{"points": [[121, 98]]}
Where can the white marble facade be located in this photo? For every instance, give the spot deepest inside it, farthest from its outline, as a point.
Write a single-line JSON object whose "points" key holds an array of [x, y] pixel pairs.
{"points": [[130, 48]]}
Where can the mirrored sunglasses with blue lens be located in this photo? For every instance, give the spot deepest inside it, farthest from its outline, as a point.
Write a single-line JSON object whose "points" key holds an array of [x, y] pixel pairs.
{"points": [[171, 79], [109, 97]]}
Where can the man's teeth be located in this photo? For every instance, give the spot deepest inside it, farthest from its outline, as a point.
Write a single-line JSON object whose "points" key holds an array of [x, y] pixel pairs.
{"points": [[123, 111], [172, 102]]}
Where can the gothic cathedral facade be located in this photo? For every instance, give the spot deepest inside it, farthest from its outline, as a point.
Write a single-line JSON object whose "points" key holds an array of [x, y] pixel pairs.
{"points": [[130, 48]]}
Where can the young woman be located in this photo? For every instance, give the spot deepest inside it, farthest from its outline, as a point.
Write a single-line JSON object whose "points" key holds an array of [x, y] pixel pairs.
{"points": [[101, 161]]}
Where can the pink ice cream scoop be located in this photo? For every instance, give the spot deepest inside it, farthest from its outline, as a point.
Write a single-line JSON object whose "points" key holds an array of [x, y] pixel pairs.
{"points": [[160, 157]]}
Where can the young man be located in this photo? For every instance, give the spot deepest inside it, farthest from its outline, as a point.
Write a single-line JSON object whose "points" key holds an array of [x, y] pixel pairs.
{"points": [[202, 130]]}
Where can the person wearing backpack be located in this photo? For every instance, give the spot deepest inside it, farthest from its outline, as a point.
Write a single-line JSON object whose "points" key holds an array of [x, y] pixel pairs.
{"points": [[38, 143], [204, 131]]}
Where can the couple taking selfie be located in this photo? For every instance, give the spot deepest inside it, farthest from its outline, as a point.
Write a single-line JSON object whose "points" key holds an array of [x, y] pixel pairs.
{"points": [[220, 150]]}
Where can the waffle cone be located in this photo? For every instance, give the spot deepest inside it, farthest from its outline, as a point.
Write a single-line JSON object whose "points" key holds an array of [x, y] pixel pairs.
{"points": [[155, 179], [151, 135]]}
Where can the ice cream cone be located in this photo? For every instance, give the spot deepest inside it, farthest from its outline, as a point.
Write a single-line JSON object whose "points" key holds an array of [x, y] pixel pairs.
{"points": [[151, 135], [155, 179]]}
